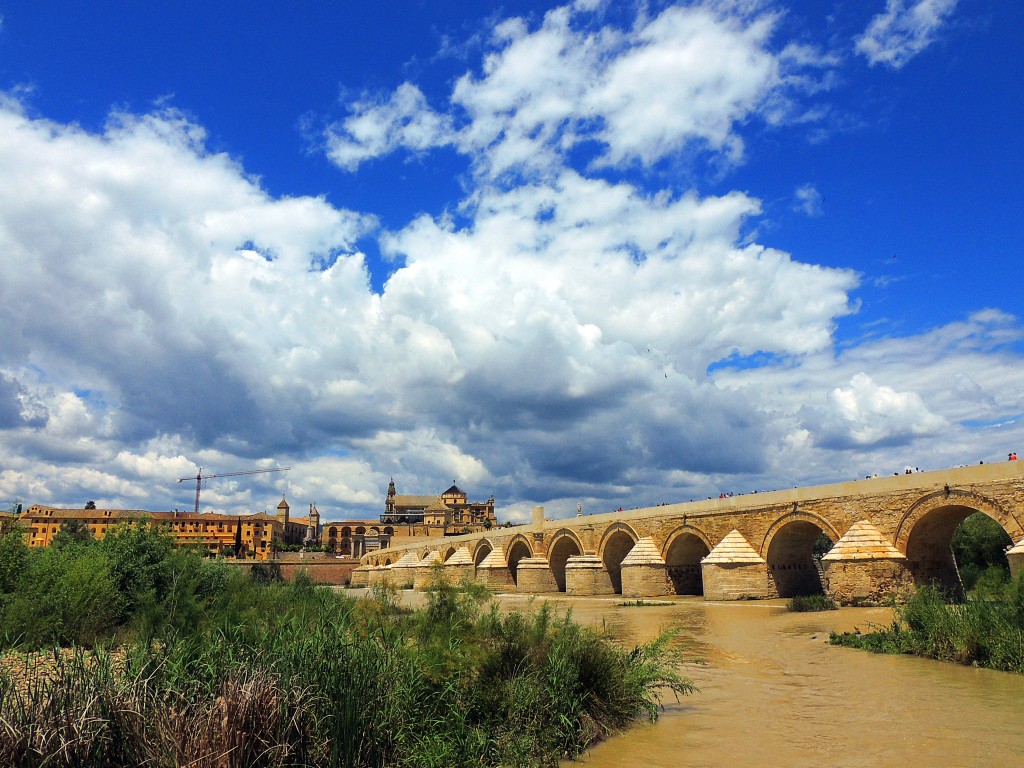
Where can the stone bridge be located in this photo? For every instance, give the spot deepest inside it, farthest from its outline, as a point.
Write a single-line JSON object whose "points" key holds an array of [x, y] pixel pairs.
{"points": [[889, 534]]}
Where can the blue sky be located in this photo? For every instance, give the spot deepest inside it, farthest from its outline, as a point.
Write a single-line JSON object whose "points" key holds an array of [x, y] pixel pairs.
{"points": [[607, 253]]}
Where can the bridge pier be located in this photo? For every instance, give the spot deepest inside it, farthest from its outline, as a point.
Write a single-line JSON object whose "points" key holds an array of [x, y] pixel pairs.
{"points": [[867, 582], [377, 574], [403, 572], [534, 575], [734, 571], [494, 573], [1015, 556], [862, 568], [586, 575], [424, 572], [644, 573], [458, 568], [360, 576]]}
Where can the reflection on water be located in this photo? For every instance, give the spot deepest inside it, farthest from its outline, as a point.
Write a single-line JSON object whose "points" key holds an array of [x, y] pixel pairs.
{"points": [[774, 693]]}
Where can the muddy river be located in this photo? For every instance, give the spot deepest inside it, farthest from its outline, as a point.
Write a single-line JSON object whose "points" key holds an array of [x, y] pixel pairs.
{"points": [[774, 693]]}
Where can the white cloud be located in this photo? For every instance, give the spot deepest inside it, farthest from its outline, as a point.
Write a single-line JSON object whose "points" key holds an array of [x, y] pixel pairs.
{"points": [[685, 79], [925, 402], [807, 200], [867, 414], [902, 31], [377, 127], [177, 316]]}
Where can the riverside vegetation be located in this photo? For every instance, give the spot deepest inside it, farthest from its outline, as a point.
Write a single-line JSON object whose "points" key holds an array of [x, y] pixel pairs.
{"points": [[986, 629], [129, 652]]}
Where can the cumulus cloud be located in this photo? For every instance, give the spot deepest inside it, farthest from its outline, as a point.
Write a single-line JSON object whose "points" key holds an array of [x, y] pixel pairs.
{"points": [[179, 316], [377, 127], [685, 78], [902, 31], [866, 414], [925, 402]]}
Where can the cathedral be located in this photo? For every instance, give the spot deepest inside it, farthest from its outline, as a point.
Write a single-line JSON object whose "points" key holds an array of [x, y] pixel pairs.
{"points": [[448, 514]]}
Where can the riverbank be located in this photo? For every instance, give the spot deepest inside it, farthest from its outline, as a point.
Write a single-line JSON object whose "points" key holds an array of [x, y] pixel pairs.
{"points": [[986, 631], [320, 679]]}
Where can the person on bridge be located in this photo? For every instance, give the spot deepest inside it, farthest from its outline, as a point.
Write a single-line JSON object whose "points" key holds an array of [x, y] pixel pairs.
{"points": [[1012, 456]]}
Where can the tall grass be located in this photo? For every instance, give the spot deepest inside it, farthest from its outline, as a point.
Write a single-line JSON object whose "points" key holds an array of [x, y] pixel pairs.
{"points": [[987, 631], [274, 675]]}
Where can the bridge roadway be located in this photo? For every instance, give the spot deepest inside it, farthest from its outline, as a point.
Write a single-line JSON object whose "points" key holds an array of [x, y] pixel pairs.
{"points": [[889, 534]]}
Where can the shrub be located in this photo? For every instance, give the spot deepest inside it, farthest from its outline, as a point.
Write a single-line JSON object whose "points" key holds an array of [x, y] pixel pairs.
{"points": [[64, 597], [987, 632], [266, 573], [809, 603], [14, 554]]}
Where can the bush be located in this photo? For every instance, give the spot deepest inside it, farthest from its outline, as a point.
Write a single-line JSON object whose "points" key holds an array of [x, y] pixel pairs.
{"points": [[811, 603], [266, 573], [64, 597], [986, 632]]}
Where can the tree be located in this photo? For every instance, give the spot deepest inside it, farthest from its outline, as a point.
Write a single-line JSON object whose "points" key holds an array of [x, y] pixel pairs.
{"points": [[138, 561], [979, 543], [90, 505], [14, 555], [73, 533]]}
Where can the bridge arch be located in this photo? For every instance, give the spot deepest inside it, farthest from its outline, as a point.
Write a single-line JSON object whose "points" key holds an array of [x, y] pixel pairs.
{"points": [[788, 548], [684, 548], [617, 541], [447, 553], [925, 534], [563, 545], [517, 548], [482, 549]]}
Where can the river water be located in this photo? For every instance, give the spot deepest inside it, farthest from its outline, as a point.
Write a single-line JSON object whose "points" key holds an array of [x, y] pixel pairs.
{"points": [[773, 692]]}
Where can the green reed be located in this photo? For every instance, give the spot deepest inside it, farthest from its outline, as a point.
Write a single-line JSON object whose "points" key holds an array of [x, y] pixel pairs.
{"points": [[313, 678]]}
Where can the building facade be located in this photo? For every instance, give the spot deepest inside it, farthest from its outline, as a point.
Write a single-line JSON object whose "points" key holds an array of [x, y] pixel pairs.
{"points": [[253, 536], [407, 518], [450, 513]]}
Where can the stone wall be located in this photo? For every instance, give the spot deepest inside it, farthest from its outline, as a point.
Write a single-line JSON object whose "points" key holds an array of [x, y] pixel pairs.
{"points": [[334, 572], [647, 580], [735, 582], [867, 582]]}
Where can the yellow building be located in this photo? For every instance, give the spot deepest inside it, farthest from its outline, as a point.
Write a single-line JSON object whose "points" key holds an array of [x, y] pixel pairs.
{"points": [[258, 536]]}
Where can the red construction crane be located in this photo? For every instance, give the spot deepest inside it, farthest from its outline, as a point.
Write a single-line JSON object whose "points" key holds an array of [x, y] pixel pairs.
{"points": [[200, 477]]}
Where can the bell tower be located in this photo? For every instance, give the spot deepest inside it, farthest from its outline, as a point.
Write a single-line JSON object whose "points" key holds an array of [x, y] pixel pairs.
{"points": [[389, 505]]}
